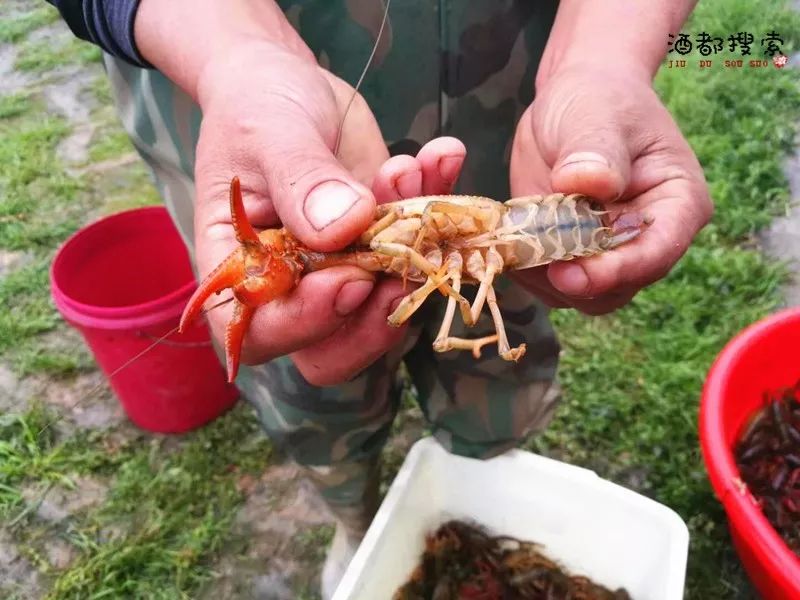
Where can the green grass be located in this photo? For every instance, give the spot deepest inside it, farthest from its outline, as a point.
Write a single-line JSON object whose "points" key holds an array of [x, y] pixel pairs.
{"points": [[109, 144], [19, 26], [25, 313], [34, 188], [33, 184], [311, 544], [633, 380], [14, 105], [43, 56], [170, 505], [174, 508]]}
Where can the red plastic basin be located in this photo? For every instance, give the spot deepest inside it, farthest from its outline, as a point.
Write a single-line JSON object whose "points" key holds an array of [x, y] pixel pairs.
{"points": [[123, 281], [763, 357]]}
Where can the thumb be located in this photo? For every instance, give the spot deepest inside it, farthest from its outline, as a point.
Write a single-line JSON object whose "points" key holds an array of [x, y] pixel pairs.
{"points": [[587, 148], [315, 197]]}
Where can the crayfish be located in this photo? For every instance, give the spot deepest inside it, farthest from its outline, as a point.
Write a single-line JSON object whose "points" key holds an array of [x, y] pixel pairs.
{"points": [[442, 242], [463, 561]]}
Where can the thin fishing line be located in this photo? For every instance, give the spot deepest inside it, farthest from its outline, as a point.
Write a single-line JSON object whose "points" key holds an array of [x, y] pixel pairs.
{"points": [[361, 78]]}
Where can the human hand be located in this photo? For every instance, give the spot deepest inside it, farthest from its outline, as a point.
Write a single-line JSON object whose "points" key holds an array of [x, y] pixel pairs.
{"points": [[607, 135], [274, 125]]}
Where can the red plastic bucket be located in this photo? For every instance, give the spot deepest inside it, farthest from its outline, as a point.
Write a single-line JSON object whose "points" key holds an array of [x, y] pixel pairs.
{"points": [[123, 282], [763, 357]]}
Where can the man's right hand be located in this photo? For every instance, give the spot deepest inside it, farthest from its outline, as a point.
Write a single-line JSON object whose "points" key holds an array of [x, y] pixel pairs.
{"points": [[271, 118]]}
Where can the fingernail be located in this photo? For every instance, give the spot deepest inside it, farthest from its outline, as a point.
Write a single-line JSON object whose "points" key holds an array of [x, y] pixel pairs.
{"points": [[409, 185], [352, 295], [584, 157], [328, 202], [449, 167], [572, 280]]}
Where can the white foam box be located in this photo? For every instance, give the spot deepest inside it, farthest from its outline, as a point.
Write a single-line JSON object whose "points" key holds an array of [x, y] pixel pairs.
{"points": [[589, 525]]}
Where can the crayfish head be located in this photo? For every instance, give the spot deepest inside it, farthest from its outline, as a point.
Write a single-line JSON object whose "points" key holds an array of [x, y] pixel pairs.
{"points": [[268, 273], [626, 227]]}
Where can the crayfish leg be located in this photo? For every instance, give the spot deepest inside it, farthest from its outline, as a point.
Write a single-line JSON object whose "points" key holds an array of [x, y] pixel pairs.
{"points": [[409, 305], [443, 344], [455, 343], [503, 347], [424, 265]]}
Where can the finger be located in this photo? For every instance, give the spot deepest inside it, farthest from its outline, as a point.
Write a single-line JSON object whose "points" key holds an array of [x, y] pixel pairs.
{"points": [[441, 160], [321, 304], [356, 345], [584, 139], [679, 209], [605, 304], [316, 198], [535, 280], [398, 178]]}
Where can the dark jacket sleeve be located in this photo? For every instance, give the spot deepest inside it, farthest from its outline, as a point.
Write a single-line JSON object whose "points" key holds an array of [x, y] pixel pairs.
{"points": [[105, 23]]}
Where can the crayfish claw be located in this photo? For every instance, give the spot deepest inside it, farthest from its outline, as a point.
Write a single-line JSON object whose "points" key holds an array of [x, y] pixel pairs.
{"points": [[234, 334], [245, 234], [227, 274]]}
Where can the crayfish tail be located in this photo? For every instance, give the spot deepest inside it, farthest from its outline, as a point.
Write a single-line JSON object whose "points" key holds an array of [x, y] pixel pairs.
{"points": [[226, 275]]}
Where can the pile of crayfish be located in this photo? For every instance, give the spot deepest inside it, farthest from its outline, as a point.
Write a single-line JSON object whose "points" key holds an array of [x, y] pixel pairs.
{"points": [[768, 457], [462, 561]]}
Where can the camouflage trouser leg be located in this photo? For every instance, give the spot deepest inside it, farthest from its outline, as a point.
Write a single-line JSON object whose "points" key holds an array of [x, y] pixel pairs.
{"points": [[334, 433], [480, 408], [476, 408]]}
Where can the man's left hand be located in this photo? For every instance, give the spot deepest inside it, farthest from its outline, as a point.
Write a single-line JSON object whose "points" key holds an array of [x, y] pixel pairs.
{"points": [[607, 135]]}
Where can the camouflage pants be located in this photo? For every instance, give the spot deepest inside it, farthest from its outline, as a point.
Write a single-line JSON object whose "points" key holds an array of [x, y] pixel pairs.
{"points": [[476, 408], [445, 67]]}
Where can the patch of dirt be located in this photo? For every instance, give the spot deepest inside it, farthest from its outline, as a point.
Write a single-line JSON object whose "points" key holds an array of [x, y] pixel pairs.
{"points": [[87, 401], [58, 503], [69, 96], [14, 393], [19, 579], [11, 80], [11, 260], [262, 563], [60, 554]]}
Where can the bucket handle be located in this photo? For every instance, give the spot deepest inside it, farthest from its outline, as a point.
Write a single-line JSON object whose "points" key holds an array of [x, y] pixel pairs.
{"points": [[158, 340]]}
